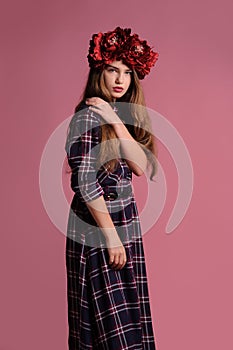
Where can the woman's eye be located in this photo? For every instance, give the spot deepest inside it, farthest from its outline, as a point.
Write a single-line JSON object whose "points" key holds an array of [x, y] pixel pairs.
{"points": [[114, 70]]}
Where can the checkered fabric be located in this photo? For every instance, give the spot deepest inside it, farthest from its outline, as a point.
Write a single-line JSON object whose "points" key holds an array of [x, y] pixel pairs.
{"points": [[107, 309]]}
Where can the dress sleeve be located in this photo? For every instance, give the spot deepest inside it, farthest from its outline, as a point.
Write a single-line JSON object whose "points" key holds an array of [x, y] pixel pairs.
{"points": [[82, 148]]}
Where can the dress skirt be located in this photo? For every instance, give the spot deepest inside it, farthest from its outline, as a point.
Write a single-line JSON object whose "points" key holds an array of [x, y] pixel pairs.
{"points": [[107, 309]]}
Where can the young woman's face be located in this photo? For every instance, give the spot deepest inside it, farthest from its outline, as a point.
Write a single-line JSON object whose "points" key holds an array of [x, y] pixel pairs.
{"points": [[117, 78]]}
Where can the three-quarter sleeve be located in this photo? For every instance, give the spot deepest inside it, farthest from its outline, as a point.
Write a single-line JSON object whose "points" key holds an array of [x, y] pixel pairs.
{"points": [[82, 148]]}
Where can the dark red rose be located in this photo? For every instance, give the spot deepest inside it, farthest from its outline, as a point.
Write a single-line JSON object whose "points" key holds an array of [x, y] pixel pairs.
{"points": [[140, 55], [104, 48], [108, 57], [113, 41], [94, 56]]}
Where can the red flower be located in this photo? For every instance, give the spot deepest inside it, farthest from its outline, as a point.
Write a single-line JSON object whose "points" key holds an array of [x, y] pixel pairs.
{"points": [[104, 47], [115, 39], [140, 55], [95, 49]]}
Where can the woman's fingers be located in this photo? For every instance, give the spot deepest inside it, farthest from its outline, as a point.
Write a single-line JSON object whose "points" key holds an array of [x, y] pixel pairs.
{"points": [[117, 259], [122, 260], [116, 251], [103, 108], [114, 260], [95, 100], [111, 259]]}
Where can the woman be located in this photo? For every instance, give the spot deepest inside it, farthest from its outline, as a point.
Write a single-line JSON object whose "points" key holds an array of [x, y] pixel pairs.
{"points": [[109, 138]]}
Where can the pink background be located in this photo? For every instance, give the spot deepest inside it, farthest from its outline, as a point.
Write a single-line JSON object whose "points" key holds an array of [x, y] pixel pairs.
{"points": [[43, 71]]}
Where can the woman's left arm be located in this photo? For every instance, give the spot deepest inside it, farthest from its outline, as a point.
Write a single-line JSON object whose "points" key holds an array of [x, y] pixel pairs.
{"points": [[130, 149]]}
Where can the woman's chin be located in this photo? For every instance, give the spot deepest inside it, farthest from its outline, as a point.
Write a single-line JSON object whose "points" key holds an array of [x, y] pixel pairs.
{"points": [[116, 95]]}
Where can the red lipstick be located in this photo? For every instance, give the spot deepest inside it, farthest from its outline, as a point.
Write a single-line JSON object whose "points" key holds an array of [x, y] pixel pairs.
{"points": [[118, 89]]}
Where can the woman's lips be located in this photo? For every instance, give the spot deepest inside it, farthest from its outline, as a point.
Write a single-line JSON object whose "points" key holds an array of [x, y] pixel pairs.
{"points": [[117, 89]]}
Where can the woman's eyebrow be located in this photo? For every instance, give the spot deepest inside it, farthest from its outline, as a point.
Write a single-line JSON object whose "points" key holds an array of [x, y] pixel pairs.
{"points": [[109, 65]]}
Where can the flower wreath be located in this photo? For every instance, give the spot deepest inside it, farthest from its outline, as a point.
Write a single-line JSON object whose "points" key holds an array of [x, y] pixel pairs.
{"points": [[121, 45]]}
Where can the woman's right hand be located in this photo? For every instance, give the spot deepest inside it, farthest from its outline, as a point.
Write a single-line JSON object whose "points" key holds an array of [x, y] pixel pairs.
{"points": [[117, 254]]}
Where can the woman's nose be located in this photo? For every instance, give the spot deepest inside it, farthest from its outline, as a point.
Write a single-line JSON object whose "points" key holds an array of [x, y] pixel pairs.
{"points": [[120, 78]]}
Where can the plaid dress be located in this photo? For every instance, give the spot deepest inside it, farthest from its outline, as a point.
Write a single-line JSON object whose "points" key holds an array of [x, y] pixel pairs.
{"points": [[108, 309]]}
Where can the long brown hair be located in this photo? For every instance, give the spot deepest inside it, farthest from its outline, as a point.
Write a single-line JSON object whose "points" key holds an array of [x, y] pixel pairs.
{"points": [[141, 130]]}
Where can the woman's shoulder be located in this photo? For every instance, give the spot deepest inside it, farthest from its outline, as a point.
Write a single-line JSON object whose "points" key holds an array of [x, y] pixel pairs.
{"points": [[85, 121]]}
